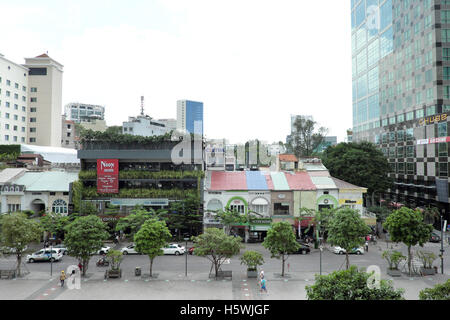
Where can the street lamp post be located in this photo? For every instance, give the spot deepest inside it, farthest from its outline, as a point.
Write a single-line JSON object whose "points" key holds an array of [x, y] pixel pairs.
{"points": [[186, 252], [442, 241], [320, 248], [51, 259]]}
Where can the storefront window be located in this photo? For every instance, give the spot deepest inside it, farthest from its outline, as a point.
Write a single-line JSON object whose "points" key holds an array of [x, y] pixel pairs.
{"points": [[280, 209]]}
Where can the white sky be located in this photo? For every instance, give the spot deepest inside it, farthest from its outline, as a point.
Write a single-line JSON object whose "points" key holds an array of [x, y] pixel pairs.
{"points": [[252, 62]]}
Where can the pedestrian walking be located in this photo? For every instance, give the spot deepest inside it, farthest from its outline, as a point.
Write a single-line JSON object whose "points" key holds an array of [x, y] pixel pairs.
{"points": [[80, 266], [62, 277], [263, 285], [367, 246], [261, 275], [374, 239]]}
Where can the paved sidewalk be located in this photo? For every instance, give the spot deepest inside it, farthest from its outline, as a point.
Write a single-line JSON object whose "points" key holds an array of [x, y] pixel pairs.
{"points": [[172, 286]]}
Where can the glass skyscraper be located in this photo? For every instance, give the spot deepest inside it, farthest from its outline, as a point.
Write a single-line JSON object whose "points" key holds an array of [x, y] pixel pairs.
{"points": [[401, 93], [190, 116]]}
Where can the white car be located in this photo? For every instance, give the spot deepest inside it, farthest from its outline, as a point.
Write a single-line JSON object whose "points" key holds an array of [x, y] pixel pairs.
{"points": [[129, 250], [339, 250], [103, 250], [60, 246], [45, 255], [174, 248]]}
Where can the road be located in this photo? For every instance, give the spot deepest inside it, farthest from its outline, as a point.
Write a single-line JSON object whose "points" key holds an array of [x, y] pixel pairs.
{"points": [[170, 282]]}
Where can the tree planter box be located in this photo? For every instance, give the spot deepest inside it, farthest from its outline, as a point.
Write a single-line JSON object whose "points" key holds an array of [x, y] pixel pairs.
{"points": [[113, 274], [428, 272], [252, 274], [394, 272]]}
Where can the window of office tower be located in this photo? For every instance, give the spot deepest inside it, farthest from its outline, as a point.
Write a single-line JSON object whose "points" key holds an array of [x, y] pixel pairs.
{"points": [[442, 129], [37, 72]]}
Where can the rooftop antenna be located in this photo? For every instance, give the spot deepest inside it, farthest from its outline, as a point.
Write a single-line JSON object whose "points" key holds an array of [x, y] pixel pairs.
{"points": [[142, 105]]}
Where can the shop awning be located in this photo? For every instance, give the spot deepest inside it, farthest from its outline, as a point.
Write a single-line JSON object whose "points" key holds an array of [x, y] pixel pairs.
{"points": [[260, 202]]}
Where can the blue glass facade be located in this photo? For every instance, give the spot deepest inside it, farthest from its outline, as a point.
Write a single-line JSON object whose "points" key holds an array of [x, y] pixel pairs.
{"points": [[372, 40], [401, 93], [194, 117]]}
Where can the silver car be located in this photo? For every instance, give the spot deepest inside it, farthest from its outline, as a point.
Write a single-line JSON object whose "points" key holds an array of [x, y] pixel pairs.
{"points": [[45, 255], [129, 250]]}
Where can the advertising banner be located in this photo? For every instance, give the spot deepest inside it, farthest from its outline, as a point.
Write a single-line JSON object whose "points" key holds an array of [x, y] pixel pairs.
{"points": [[433, 140], [108, 176]]}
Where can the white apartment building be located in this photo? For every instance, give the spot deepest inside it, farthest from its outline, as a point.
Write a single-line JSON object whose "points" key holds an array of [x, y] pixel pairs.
{"points": [[82, 112], [45, 101], [144, 126], [13, 102]]}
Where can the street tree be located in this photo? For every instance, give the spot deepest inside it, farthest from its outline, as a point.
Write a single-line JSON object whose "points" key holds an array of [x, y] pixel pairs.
{"points": [[321, 219], [229, 218], [351, 284], [18, 232], [151, 238], [362, 164], [185, 215], [85, 236], [115, 258], [133, 222], [407, 226], [281, 242], [347, 230], [54, 223], [216, 246], [305, 138]]}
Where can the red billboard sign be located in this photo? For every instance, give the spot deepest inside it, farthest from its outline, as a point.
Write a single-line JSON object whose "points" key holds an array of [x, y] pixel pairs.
{"points": [[107, 176]]}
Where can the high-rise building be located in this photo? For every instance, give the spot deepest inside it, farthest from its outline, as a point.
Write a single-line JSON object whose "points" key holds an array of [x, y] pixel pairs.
{"points": [[13, 102], [82, 112], [190, 116], [45, 101], [401, 93], [31, 101]]}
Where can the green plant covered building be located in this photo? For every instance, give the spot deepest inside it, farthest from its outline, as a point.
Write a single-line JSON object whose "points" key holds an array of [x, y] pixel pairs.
{"points": [[147, 174]]}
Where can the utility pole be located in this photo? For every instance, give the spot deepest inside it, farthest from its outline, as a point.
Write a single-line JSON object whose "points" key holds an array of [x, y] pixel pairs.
{"points": [[442, 240]]}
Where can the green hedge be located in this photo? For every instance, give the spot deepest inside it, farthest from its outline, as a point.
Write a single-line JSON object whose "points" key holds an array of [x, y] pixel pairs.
{"points": [[91, 193], [10, 148], [118, 138], [135, 174]]}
